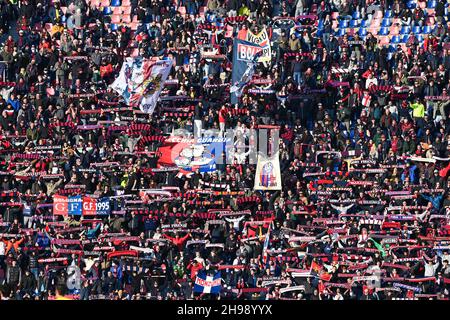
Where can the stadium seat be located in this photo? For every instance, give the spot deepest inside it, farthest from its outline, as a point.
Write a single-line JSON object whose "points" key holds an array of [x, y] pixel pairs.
{"points": [[320, 24], [126, 10], [419, 37], [115, 3], [405, 38], [364, 23], [395, 39], [431, 4], [411, 4], [383, 31], [343, 24], [405, 30], [114, 26], [116, 10], [134, 26], [354, 23], [126, 18], [340, 32], [356, 15], [386, 22], [107, 11], [417, 30], [388, 14], [362, 32], [426, 30], [115, 18]]}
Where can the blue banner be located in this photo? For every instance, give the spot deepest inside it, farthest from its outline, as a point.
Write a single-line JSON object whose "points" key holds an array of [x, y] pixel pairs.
{"points": [[75, 205], [245, 56]]}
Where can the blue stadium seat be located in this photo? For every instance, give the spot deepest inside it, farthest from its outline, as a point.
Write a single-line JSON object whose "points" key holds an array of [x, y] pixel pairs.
{"points": [[411, 4], [405, 30], [116, 3], [395, 39], [426, 29], [362, 32], [383, 31], [343, 24], [107, 11], [341, 32], [356, 15], [354, 23], [63, 18], [319, 32], [320, 24], [388, 14], [364, 23], [114, 27], [417, 30], [386, 22], [405, 38], [419, 37], [431, 4]]}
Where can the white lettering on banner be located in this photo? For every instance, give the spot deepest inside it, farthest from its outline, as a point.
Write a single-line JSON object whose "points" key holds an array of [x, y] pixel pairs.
{"points": [[206, 283], [87, 205], [262, 40], [59, 206], [247, 53]]}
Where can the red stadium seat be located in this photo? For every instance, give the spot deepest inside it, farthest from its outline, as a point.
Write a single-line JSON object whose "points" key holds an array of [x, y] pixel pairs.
{"points": [[126, 18], [126, 10], [116, 18]]}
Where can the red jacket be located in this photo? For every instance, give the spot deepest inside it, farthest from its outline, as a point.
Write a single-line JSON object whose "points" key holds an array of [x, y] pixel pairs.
{"points": [[194, 267], [179, 242]]}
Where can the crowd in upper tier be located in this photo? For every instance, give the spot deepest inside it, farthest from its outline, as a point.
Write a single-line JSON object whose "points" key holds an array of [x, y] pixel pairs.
{"points": [[357, 88]]}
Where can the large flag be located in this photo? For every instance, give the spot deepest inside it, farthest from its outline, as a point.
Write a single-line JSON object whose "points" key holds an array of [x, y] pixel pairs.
{"points": [[190, 154], [379, 247], [245, 56], [319, 270], [268, 173], [266, 246], [78, 205], [140, 82], [262, 40], [208, 284]]}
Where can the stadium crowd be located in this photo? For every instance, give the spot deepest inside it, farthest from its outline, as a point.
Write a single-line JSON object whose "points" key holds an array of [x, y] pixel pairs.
{"points": [[357, 88]]}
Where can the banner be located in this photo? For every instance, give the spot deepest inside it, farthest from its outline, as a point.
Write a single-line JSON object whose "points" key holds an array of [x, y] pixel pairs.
{"points": [[262, 40], [77, 205], [140, 82], [190, 154], [268, 174], [244, 61], [208, 284], [92, 206]]}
